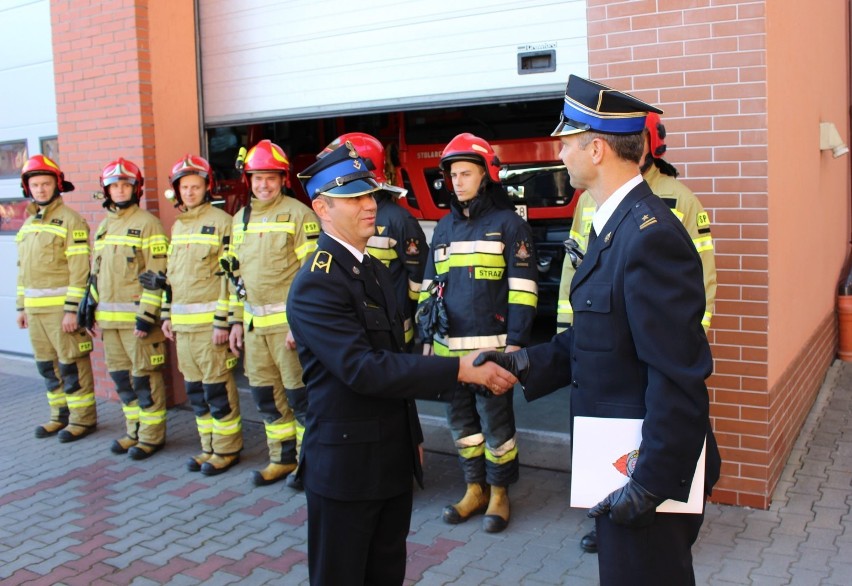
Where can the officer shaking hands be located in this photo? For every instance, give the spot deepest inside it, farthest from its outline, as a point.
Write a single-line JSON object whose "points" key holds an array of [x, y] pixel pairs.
{"points": [[637, 349], [360, 448]]}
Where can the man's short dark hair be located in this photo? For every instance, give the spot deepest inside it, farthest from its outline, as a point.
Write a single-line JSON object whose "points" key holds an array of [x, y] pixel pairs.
{"points": [[626, 146]]}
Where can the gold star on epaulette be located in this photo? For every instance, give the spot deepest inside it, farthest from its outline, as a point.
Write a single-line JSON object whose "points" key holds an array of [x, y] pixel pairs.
{"points": [[322, 261]]}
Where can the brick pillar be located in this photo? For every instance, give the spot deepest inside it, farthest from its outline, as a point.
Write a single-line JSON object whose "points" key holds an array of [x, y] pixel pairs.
{"points": [[104, 54]]}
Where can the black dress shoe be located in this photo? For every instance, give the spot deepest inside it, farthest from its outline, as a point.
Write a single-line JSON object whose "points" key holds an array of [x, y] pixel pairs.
{"points": [[295, 483], [589, 542]]}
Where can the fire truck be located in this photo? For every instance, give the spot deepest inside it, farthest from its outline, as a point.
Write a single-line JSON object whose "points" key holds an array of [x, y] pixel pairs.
{"points": [[414, 75]]}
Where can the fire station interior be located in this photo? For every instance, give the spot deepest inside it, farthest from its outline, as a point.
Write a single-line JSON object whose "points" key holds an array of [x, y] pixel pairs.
{"points": [[413, 141]]}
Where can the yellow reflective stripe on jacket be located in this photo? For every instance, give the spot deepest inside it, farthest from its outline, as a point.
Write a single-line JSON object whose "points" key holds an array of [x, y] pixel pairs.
{"points": [[705, 321], [121, 312], [76, 292], [36, 228], [469, 253], [75, 249], [523, 291], [264, 227], [461, 345], [703, 243], [281, 431], [50, 297], [262, 316], [305, 249], [153, 242], [206, 239], [151, 298], [193, 313]]}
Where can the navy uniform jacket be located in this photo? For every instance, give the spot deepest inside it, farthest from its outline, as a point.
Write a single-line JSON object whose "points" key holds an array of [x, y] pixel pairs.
{"points": [[637, 349], [362, 430]]}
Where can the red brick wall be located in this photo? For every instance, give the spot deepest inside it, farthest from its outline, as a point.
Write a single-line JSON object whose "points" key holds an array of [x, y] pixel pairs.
{"points": [[104, 107], [703, 63]]}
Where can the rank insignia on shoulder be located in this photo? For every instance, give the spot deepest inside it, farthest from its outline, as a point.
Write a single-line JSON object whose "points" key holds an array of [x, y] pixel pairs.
{"points": [[412, 247], [208, 229], [381, 230], [282, 218], [56, 222], [647, 223], [322, 261], [134, 232]]}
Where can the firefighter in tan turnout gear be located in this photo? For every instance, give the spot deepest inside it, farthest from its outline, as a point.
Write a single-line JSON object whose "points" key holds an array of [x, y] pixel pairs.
{"points": [[53, 266], [128, 242], [196, 316], [272, 237]]}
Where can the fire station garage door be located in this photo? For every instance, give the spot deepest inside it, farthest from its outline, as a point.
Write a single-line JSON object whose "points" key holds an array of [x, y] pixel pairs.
{"points": [[271, 60]]}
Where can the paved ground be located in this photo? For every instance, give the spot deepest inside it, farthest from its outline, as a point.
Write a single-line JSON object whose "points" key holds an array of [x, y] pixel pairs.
{"points": [[77, 514]]}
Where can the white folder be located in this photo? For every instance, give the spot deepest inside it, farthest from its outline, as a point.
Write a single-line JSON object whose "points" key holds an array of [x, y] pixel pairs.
{"points": [[601, 449]]}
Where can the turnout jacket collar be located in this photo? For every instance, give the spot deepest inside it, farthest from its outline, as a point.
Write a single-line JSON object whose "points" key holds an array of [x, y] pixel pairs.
{"points": [[121, 212], [34, 208], [261, 206]]}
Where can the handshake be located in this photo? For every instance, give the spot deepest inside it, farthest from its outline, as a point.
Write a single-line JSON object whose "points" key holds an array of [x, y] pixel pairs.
{"points": [[493, 372]]}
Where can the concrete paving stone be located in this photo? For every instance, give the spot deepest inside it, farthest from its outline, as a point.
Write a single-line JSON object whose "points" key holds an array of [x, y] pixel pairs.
{"points": [[822, 539], [735, 569], [283, 544], [838, 478], [777, 565], [204, 550], [472, 576], [221, 578], [837, 498], [144, 581], [808, 484], [232, 537], [127, 528], [808, 577], [812, 559], [126, 543], [828, 518], [432, 577], [799, 503], [166, 555], [783, 544], [748, 549], [58, 547], [841, 571], [763, 580], [793, 524], [123, 559], [239, 548], [13, 564], [759, 529]]}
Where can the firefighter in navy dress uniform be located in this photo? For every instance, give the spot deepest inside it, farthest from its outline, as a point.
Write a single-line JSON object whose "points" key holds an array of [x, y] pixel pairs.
{"points": [[399, 242], [360, 449], [637, 349]]}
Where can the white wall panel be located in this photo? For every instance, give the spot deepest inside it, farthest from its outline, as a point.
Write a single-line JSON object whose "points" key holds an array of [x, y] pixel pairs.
{"points": [[263, 59]]}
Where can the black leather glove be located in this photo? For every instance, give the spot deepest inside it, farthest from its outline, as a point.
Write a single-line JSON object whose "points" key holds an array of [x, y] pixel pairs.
{"points": [[152, 281], [631, 505], [518, 363]]}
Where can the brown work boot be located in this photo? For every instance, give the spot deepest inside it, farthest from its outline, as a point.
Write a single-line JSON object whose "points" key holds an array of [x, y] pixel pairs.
{"points": [[497, 516], [121, 445], [473, 502], [272, 473], [218, 464], [50, 428], [195, 463], [142, 451], [74, 432]]}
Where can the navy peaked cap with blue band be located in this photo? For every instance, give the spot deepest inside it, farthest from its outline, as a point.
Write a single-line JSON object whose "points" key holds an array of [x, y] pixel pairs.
{"points": [[340, 173], [590, 105]]}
